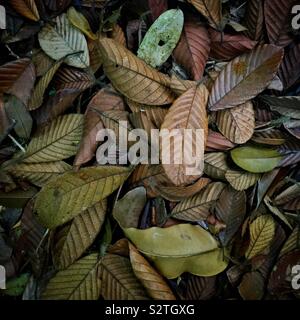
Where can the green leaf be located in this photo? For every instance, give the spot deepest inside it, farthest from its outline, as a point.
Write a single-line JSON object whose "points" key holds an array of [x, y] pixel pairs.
{"points": [[64, 40], [57, 141], [75, 238], [16, 110], [39, 173], [79, 282], [162, 38], [175, 250], [256, 159], [64, 198]]}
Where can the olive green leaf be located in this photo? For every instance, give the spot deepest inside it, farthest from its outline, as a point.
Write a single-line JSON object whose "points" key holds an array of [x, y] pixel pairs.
{"points": [[175, 250], [162, 38], [79, 282], [39, 173], [262, 231], [57, 141], [77, 236], [256, 159], [64, 198]]}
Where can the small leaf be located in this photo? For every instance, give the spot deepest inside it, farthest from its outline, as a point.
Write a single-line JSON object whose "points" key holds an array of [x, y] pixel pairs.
{"points": [[252, 286], [162, 38], [26, 8], [64, 40], [237, 124], [256, 159], [241, 180], [262, 231], [79, 21], [15, 287], [64, 198]]}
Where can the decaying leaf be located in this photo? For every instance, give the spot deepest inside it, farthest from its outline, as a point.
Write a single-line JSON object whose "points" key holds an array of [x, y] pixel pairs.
{"points": [[162, 38]]}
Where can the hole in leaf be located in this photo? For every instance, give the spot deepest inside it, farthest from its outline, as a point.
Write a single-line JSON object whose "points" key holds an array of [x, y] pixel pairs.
{"points": [[161, 43]]}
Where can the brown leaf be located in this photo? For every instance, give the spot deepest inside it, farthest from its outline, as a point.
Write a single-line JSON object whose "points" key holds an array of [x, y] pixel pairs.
{"points": [[118, 35], [210, 9], [217, 142], [105, 100], [26, 8], [193, 48], [226, 46], [237, 124], [56, 105], [231, 209], [245, 77], [180, 86], [71, 78], [254, 19], [289, 71], [200, 288], [277, 16], [154, 283], [157, 7], [147, 85], [187, 112], [252, 286], [17, 78]]}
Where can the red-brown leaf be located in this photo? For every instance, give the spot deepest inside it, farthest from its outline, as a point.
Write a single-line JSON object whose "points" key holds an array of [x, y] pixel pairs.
{"points": [[193, 48], [226, 46]]}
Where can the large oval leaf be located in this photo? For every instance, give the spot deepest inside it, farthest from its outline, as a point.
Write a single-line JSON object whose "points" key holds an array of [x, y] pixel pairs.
{"points": [[245, 77], [256, 159], [147, 86], [187, 112], [64, 198], [162, 38], [175, 250]]}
